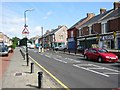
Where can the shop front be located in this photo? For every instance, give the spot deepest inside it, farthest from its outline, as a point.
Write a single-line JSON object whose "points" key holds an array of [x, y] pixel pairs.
{"points": [[107, 41]]}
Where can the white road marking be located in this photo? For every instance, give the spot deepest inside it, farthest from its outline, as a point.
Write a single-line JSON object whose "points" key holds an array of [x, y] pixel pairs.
{"points": [[106, 68], [110, 73], [91, 70], [60, 60], [72, 60], [97, 68], [48, 56], [58, 56]]}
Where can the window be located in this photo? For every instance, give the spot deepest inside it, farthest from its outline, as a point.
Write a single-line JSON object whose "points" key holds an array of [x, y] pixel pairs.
{"points": [[104, 28], [79, 31], [71, 33], [90, 29], [61, 37]]}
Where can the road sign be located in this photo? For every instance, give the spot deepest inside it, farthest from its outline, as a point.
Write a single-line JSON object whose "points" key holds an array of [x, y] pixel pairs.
{"points": [[25, 32]]}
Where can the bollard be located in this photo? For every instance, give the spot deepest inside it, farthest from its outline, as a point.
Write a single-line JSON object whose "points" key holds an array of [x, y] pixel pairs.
{"points": [[27, 59], [64, 50], [75, 52], [40, 79], [69, 52], [24, 56], [32, 67]]}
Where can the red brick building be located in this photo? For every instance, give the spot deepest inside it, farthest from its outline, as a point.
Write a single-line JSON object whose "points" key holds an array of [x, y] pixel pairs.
{"points": [[73, 32], [102, 30]]}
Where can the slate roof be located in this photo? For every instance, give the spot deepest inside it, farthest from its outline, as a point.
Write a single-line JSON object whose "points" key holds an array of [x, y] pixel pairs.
{"points": [[96, 18], [55, 30], [77, 23], [115, 13]]}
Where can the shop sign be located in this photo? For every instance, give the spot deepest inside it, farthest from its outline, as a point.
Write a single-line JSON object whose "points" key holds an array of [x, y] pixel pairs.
{"points": [[108, 37], [71, 39]]}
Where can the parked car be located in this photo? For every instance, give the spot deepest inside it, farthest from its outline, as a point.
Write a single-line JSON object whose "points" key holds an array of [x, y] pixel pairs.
{"points": [[32, 46], [60, 47], [4, 51], [101, 55]]}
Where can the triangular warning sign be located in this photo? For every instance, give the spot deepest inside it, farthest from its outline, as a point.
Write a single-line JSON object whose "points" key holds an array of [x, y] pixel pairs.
{"points": [[25, 31]]}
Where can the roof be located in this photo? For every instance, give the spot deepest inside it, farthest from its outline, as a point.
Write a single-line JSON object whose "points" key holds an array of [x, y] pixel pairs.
{"points": [[55, 30], [96, 18], [115, 13], [77, 23]]}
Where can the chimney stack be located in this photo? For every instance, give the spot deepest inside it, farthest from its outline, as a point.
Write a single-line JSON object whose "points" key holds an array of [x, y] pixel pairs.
{"points": [[116, 5], [102, 10], [90, 15], [59, 26]]}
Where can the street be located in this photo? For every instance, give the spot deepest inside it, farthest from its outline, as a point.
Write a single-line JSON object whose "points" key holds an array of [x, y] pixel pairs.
{"points": [[76, 72]]}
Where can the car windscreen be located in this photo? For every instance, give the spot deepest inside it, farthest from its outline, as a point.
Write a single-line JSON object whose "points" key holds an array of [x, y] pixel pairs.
{"points": [[102, 51], [2, 49]]}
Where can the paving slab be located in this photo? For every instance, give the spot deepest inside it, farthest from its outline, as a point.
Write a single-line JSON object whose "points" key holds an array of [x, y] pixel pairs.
{"points": [[18, 74]]}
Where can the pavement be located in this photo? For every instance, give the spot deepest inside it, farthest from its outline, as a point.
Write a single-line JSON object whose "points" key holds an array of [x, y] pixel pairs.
{"points": [[18, 74]]}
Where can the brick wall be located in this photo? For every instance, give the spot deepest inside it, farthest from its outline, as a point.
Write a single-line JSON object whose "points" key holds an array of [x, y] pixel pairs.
{"points": [[85, 31], [96, 28], [114, 25]]}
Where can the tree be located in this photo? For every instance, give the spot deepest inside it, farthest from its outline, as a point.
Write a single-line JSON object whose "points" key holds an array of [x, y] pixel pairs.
{"points": [[15, 41]]}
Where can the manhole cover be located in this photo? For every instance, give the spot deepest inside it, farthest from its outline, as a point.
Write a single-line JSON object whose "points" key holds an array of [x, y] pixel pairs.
{"points": [[18, 74]]}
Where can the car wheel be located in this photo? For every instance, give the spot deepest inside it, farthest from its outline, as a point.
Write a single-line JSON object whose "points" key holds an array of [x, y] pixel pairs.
{"points": [[100, 59], [86, 57]]}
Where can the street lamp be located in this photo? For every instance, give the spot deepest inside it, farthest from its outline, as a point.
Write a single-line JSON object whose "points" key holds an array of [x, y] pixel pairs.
{"points": [[25, 15], [25, 27]]}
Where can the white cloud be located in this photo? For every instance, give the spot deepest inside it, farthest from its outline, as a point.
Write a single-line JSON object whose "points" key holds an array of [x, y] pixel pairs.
{"points": [[35, 31], [48, 14]]}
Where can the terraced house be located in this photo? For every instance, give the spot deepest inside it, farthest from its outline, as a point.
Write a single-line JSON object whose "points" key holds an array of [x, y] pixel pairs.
{"points": [[73, 31], [55, 37], [103, 30], [4, 39]]}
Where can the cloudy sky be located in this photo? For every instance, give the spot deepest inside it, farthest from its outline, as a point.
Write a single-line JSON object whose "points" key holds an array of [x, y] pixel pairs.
{"points": [[45, 14]]}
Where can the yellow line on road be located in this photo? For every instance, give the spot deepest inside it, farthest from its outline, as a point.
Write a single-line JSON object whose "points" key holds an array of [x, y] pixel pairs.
{"points": [[50, 74]]}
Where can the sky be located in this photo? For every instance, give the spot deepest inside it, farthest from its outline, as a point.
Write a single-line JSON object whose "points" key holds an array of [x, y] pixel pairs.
{"points": [[45, 14]]}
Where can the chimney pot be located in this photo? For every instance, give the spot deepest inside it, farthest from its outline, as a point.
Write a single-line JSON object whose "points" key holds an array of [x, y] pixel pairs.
{"points": [[90, 15], [116, 5], [102, 10]]}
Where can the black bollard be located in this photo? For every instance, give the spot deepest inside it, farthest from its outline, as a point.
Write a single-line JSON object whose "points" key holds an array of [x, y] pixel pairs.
{"points": [[75, 52], [32, 67], [69, 52], [40, 79], [27, 59]]}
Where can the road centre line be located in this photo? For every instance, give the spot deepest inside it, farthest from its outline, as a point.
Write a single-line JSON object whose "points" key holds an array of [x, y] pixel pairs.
{"points": [[72, 59], [48, 56], [50, 74], [91, 70], [59, 60]]}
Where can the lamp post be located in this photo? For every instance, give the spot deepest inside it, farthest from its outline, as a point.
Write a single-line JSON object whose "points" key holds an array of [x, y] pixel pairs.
{"points": [[26, 16], [25, 27]]}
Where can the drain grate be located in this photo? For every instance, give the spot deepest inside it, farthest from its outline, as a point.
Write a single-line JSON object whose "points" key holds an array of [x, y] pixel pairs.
{"points": [[18, 74]]}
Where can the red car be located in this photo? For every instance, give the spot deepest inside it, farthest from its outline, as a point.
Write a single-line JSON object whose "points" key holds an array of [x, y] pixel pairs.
{"points": [[100, 55]]}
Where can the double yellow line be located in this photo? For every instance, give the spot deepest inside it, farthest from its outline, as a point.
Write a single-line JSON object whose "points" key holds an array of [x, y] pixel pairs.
{"points": [[50, 74]]}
